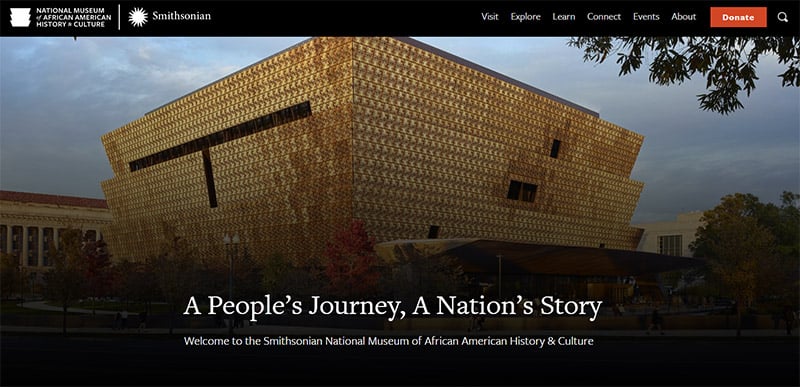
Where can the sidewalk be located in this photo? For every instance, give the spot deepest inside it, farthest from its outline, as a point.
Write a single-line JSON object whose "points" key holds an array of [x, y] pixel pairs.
{"points": [[267, 330], [274, 330], [41, 305]]}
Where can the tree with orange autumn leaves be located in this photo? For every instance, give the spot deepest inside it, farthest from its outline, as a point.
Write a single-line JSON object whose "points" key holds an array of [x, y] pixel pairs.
{"points": [[351, 262]]}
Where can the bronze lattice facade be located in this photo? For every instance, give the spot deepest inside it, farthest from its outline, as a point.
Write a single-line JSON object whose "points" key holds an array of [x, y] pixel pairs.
{"points": [[413, 141]]}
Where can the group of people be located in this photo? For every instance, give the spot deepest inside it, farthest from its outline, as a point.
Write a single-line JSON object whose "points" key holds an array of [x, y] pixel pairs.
{"points": [[121, 320], [476, 323]]}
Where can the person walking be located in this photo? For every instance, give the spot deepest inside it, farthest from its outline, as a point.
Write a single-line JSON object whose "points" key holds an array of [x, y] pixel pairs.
{"points": [[656, 322], [789, 317], [124, 319], [142, 321]]}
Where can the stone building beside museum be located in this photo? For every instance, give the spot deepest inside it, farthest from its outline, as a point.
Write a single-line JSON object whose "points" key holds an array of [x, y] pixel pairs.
{"points": [[412, 140], [29, 222], [671, 237]]}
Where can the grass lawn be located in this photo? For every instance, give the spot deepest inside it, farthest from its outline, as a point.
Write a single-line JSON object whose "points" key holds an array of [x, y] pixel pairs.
{"points": [[10, 307], [114, 306]]}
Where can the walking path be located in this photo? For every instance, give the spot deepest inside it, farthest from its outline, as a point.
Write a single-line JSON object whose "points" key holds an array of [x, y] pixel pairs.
{"points": [[265, 330], [41, 305], [273, 330]]}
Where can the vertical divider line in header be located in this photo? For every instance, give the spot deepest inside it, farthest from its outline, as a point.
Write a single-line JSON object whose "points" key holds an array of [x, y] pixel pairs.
{"points": [[119, 21]]}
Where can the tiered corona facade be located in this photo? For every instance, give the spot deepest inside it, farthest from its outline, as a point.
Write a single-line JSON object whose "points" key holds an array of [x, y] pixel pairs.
{"points": [[413, 141]]}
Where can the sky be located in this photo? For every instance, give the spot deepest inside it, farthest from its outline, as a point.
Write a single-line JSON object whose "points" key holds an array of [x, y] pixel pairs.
{"points": [[59, 95]]}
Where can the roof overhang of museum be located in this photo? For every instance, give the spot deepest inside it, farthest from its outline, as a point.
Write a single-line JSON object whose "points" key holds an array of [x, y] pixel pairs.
{"points": [[483, 256]]}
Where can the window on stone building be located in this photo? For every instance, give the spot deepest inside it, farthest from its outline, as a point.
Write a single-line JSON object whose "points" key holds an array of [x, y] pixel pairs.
{"points": [[33, 246], [16, 240], [670, 245], [3, 238], [48, 244]]}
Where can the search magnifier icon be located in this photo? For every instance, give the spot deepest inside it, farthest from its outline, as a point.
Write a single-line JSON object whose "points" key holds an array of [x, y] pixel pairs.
{"points": [[782, 17]]}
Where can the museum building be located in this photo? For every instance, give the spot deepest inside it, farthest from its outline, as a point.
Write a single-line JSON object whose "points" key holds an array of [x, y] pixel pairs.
{"points": [[414, 141]]}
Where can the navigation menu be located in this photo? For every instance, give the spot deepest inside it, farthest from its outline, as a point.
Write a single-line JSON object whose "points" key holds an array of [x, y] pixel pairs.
{"points": [[646, 17], [563, 16], [592, 16], [526, 17], [413, 17]]}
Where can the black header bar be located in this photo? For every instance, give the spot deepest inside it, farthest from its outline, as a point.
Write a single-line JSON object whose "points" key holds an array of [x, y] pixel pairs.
{"points": [[402, 18]]}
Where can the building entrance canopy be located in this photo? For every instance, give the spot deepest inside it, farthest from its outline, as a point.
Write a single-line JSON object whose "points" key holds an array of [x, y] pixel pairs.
{"points": [[481, 256]]}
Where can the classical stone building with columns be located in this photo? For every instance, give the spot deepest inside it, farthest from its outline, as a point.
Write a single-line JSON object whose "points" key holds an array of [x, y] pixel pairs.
{"points": [[671, 237], [414, 141], [29, 222]]}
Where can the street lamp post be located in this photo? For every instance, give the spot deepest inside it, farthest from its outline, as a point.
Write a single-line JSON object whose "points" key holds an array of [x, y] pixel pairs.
{"points": [[499, 276], [21, 284], [231, 248], [33, 283]]}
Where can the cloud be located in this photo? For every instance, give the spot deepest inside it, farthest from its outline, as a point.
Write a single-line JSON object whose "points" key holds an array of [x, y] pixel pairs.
{"points": [[58, 96], [690, 158]]}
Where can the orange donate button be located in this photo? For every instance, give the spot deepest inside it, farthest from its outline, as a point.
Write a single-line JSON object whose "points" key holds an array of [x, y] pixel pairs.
{"points": [[738, 17]]}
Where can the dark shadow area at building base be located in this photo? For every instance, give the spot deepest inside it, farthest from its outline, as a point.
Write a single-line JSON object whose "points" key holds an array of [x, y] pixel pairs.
{"points": [[165, 360]]}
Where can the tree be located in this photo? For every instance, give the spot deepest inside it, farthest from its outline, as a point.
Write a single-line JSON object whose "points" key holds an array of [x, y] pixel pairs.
{"points": [[727, 63], [9, 274], [740, 251], [351, 262], [65, 282], [136, 281], [783, 223], [97, 269], [282, 276], [787, 225], [276, 269], [178, 271]]}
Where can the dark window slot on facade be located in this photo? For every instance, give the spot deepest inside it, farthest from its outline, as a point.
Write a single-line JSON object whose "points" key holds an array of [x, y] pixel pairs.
{"points": [[602, 245], [513, 189], [518, 190], [433, 232], [554, 149], [528, 192], [244, 129], [212, 189]]}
